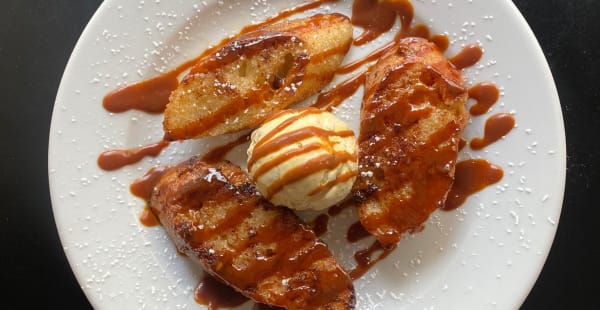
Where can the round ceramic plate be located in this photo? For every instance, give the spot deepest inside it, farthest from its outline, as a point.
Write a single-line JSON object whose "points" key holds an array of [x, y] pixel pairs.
{"points": [[486, 254]]}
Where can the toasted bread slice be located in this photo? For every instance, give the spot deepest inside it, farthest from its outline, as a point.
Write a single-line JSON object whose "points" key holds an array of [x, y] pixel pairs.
{"points": [[264, 71], [412, 116], [217, 218]]}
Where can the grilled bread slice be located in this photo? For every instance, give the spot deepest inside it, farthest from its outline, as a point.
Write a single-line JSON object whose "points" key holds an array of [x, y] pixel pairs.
{"points": [[217, 218], [412, 116], [243, 82]]}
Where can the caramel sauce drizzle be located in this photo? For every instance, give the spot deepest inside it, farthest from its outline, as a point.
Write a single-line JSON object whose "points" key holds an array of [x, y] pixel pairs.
{"points": [[335, 96], [485, 95], [143, 187], [266, 167], [339, 179], [365, 260], [215, 294], [283, 125], [337, 209], [323, 162], [356, 232], [374, 55], [218, 153], [148, 218], [470, 177], [496, 127], [116, 159], [270, 144], [378, 17], [461, 144], [467, 57], [319, 224]]}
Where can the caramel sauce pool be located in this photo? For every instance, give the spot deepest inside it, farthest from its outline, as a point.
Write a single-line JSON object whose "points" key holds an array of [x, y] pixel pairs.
{"points": [[215, 295], [496, 127], [467, 57], [470, 177], [485, 95], [365, 259]]}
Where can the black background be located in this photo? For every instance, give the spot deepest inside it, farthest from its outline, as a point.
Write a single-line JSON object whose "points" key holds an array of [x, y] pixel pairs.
{"points": [[37, 37]]}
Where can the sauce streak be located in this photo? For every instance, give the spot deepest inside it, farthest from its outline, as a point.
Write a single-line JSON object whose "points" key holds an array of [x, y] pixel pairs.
{"points": [[461, 144], [356, 232], [365, 260], [335, 96], [470, 177], [148, 218], [218, 153], [377, 17], [266, 307], [485, 95], [374, 55], [441, 40], [496, 127], [214, 294], [323, 162], [319, 224], [143, 188], [116, 159], [151, 95], [469, 56], [337, 209]]}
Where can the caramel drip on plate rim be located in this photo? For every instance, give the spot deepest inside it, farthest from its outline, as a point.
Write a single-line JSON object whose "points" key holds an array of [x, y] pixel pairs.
{"points": [[467, 57], [335, 96], [365, 259], [485, 94], [496, 127], [339, 179], [471, 176], [116, 159]]}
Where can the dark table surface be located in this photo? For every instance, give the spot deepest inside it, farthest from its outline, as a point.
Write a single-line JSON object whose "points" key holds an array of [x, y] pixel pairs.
{"points": [[37, 37]]}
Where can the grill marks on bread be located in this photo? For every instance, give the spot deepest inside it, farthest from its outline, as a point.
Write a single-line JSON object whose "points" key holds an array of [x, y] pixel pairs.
{"points": [[216, 217], [412, 116]]}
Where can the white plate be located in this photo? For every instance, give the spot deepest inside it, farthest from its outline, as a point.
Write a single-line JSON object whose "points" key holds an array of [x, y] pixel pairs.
{"points": [[486, 254]]}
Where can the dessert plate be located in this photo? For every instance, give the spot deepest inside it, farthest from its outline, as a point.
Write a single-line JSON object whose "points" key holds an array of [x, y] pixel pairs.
{"points": [[486, 254]]}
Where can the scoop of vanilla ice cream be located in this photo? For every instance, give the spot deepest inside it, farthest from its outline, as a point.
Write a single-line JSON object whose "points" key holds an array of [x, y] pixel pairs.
{"points": [[303, 159]]}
